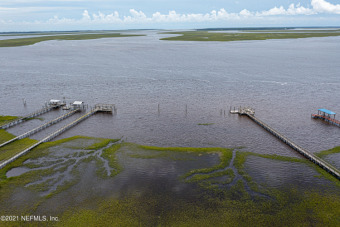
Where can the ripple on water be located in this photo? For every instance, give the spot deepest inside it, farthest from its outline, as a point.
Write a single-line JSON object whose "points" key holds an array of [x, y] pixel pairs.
{"points": [[280, 174], [333, 159]]}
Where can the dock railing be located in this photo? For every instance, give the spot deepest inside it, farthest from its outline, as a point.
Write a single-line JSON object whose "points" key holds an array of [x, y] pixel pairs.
{"points": [[41, 127], [49, 137], [327, 119], [318, 161], [22, 119]]}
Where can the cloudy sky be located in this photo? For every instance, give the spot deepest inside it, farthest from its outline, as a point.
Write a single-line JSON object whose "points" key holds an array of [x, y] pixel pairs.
{"points": [[38, 15]]}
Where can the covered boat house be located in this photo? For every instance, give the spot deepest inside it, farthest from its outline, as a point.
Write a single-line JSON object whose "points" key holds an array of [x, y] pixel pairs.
{"points": [[78, 105], [55, 103], [326, 115], [325, 112]]}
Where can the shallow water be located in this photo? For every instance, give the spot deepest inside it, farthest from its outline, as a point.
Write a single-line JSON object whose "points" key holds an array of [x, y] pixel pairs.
{"points": [[281, 174], [139, 175], [17, 171]]}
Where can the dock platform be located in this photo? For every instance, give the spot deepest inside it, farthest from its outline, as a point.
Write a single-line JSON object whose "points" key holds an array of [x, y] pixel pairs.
{"points": [[107, 108], [326, 115]]}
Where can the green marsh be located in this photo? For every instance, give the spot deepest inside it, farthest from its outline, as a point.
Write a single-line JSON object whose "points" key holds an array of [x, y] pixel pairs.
{"points": [[6, 119], [217, 188], [242, 36], [32, 40]]}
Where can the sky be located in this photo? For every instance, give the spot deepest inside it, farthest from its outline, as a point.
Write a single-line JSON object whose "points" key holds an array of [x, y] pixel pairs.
{"points": [[62, 15]]}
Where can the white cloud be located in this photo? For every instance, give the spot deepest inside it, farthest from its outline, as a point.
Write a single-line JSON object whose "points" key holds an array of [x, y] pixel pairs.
{"points": [[86, 15], [139, 17], [321, 6], [318, 6], [246, 13], [292, 10]]}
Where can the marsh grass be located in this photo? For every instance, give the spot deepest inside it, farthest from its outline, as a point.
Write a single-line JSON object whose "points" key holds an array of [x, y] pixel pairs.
{"points": [[136, 152], [32, 40], [34, 118], [102, 143], [239, 36], [289, 208], [334, 150], [184, 149], [206, 124], [225, 157], [201, 177], [232, 207], [14, 148], [110, 155], [40, 151], [6, 119], [5, 136], [242, 156]]}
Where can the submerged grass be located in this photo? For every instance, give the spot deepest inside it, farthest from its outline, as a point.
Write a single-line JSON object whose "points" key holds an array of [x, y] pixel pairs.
{"points": [[226, 155], [37, 175], [232, 207], [110, 155], [334, 150], [242, 156], [6, 119], [289, 208], [102, 143], [205, 123], [202, 177], [184, 149], [33, 40], [239, 36]]}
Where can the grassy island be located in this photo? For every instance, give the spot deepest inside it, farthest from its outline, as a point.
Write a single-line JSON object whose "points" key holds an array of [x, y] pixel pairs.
{"points": [[32, 40], [242, 36]]}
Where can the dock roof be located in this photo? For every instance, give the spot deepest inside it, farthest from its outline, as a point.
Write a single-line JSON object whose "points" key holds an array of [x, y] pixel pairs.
{"points": [[78, 102], [327, 111], [54, 100]]}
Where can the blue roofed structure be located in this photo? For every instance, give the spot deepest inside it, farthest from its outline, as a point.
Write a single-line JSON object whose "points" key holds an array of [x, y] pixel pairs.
{"points": [[327, 111], [326, 115]]}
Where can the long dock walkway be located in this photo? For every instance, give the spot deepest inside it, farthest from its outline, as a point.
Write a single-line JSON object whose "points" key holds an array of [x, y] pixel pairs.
{"points": [[98, 108], [34, 114], [249, 112], [41, 127]]}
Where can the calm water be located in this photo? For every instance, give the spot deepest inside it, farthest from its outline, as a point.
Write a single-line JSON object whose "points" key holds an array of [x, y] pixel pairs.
{"points": [[284, 80]]}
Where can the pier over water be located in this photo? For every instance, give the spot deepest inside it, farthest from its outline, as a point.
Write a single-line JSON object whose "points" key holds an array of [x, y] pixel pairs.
{"points": [[249, 112], [107, 108]]}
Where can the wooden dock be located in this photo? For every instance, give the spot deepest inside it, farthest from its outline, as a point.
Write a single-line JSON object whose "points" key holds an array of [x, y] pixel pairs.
{"points": [[34, 114], [41, 127], [327, 119], [249, 112], [98, 108], [109, 108]]}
